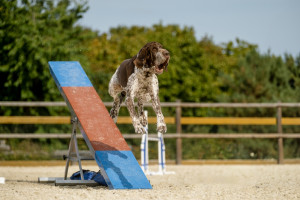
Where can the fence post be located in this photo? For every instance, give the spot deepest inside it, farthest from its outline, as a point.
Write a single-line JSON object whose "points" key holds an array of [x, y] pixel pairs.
{"points": [[280, 139], [178, 131]]}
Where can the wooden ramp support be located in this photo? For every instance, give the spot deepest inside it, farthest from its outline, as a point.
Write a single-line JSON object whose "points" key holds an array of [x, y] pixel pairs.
{"points": [[117, 163]]}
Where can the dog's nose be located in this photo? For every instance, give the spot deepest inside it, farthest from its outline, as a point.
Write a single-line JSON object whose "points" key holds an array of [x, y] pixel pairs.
{"points": [[166, 53]]}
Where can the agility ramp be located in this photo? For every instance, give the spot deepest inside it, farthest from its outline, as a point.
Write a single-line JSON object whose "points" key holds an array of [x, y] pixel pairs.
{"points": [[117, 163]]}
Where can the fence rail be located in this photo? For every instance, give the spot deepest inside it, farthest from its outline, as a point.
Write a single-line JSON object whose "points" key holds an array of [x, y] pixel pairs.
{"points": [[178, 120], [152, 120]]}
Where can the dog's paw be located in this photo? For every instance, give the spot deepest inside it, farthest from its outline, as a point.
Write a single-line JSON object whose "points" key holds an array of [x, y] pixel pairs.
{"points": [[162, 128], [143, 120], [139, 128], [113, 115]]}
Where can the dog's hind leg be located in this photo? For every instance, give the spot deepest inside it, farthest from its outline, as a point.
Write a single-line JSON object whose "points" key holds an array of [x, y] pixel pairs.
{"points": [[115, 91], [114, 112], [115, 109]]}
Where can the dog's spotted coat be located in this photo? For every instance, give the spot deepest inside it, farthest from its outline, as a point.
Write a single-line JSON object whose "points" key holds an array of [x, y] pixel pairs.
{"points": [[136, 78]]}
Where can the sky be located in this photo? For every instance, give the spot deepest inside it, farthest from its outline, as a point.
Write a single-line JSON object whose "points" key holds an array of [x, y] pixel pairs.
{"points": [[271, 24]]}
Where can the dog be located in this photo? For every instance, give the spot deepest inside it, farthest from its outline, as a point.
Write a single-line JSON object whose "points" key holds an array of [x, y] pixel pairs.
{"points": [[137, 78]]}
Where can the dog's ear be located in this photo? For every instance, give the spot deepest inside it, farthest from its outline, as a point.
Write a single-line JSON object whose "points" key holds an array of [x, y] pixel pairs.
{"points": [[150, 57], [140, 59], [166, 67]]}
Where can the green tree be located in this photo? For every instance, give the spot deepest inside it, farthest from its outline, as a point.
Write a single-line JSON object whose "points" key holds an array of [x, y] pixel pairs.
{"points": [[259, 77], [31, 34]]}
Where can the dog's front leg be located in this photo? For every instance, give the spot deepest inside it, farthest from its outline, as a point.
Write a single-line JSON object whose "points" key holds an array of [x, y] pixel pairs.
{"points": [[161, 125], [138, 127], [141, 112]]}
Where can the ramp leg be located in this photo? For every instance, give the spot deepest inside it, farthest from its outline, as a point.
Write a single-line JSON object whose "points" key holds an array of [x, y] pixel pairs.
{"points": [[78, 157], [73, 145], [69, 156], [73, 155]]}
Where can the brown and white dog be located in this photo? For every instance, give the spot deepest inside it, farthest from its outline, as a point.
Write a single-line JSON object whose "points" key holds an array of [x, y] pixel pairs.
{"points": [[136, 78]]}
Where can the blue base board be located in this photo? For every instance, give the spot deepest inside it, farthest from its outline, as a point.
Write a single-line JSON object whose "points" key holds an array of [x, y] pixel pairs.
{"points": [[121, 170]]}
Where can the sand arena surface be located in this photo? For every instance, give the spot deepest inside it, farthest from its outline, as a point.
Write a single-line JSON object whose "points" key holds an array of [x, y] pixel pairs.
{"points": [[189, 182]]}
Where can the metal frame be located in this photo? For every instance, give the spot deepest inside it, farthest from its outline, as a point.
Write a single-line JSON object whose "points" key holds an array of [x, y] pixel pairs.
{"points": [[73, 155], [145, 152]]}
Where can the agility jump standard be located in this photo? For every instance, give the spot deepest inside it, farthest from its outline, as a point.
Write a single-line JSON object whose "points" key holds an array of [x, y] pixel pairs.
{"points": [[117, 163], [145, 152]]}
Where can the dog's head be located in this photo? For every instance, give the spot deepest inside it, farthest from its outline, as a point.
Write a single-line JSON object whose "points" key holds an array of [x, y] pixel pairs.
{"points": [[153, 55]]}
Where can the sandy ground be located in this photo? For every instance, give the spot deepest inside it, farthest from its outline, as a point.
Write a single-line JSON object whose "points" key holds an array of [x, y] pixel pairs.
{"points": [[189, 182]]}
